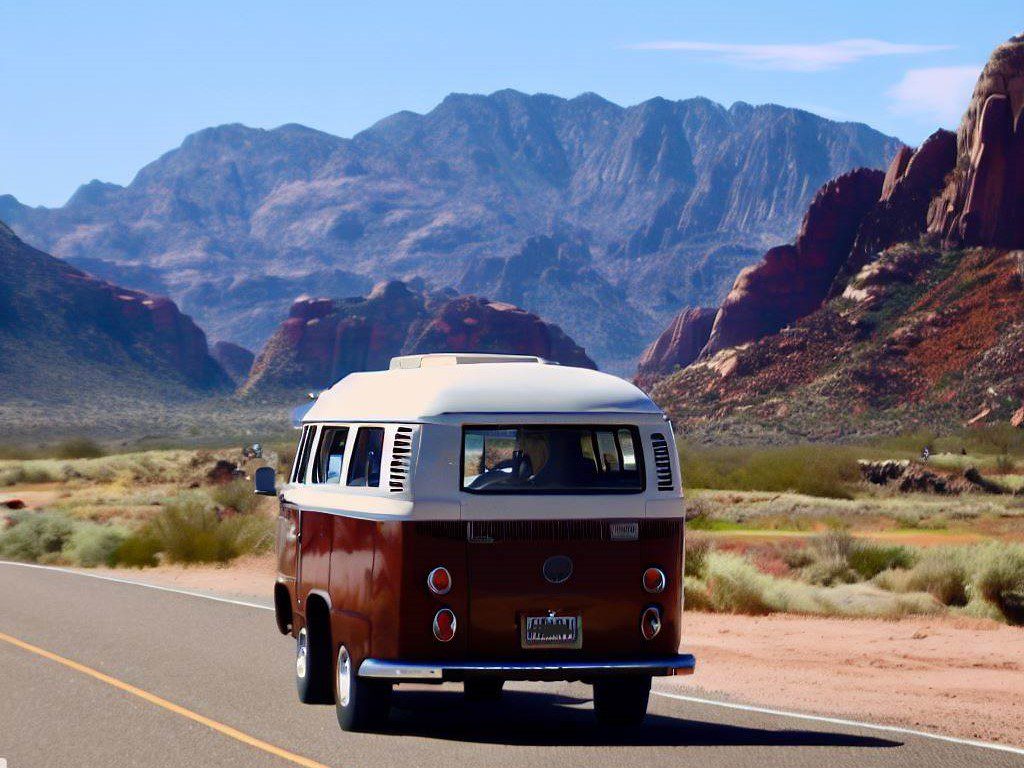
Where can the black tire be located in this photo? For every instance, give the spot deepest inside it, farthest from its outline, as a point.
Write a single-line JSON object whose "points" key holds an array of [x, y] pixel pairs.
{"points": [[362, 704], [313, 671], [621, 702], [483, 688]]}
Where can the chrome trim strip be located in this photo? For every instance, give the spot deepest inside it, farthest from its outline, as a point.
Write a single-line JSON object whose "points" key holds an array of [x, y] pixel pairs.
{"points": [[412, 671]]}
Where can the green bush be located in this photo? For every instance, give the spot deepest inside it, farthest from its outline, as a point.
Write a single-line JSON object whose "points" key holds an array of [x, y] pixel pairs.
{"points": [[188, 530], [91, 545], [869, 560], [813, 470], [237, 495], [139, 550], [36, 536]]}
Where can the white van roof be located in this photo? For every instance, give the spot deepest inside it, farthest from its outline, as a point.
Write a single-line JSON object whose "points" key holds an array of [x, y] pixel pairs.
{"points": [[434, 385]]}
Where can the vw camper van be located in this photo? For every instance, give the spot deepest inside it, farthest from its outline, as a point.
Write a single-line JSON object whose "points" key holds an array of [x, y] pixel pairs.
{"points": [[480, 519]]}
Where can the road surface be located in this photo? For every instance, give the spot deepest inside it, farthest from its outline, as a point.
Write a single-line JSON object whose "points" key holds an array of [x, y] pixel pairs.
{"points": [[99, 673]]}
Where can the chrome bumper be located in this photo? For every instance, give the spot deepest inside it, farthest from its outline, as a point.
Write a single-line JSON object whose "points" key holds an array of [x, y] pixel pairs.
{"points": [[413, 672]]}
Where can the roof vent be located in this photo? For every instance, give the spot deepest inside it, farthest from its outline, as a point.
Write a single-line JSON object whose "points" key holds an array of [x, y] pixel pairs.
{"points": [[401, 460], [662, 462], [458, 358]]}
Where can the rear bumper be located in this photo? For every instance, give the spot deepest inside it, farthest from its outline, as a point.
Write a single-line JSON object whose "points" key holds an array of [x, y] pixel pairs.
{"points": [[437, 672]]}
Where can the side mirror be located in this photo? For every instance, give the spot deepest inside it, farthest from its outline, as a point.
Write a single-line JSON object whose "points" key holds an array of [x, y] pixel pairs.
{"points": [[266, 481]]}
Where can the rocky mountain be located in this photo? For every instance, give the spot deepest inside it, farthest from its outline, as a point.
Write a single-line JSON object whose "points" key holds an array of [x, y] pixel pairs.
{"points": [[67, 337], [238, 221], [235, 360], [323, 340], [678, 345], [898, 312]]}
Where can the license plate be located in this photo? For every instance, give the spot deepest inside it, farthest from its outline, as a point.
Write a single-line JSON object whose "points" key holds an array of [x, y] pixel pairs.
{"points": [[552, 632]]}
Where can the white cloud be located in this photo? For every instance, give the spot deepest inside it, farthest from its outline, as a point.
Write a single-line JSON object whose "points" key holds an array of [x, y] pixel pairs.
{"points": [[937, 93], [811, 57]]}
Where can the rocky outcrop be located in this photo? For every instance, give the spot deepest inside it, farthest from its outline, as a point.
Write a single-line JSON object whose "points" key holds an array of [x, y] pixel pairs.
{"points": [[234, 359], [323, 340], [65, 333], [678, 346], [982, 204], [474, 324], [792, 281]]}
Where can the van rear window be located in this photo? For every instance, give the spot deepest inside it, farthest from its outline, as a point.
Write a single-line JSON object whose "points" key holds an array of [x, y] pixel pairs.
{"points": [[551, 459]]}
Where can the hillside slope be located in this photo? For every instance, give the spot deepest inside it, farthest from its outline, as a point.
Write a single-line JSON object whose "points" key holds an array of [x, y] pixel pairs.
{"points": [[919, 324], [69, 338]]}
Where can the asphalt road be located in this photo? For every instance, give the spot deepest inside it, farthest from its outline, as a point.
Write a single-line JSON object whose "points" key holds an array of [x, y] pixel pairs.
{"points": [[98, 673]]}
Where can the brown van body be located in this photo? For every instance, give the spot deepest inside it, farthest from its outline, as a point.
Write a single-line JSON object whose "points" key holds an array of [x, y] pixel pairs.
{"points": [[372, 577]]}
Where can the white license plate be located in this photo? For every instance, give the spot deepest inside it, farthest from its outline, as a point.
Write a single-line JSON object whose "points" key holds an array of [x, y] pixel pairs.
{"points": [[552, 632]]}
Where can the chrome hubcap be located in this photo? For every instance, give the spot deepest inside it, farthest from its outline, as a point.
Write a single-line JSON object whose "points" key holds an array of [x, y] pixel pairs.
{"points": [[344, 676], [301, 653]]}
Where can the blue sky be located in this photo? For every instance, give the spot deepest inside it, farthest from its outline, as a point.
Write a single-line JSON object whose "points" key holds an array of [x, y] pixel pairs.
{"points": [[98, 89]]}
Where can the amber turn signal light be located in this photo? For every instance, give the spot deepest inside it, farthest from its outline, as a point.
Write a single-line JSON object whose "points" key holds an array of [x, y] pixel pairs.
{"points": [[654, 580], [444, 625], [439, 581]]}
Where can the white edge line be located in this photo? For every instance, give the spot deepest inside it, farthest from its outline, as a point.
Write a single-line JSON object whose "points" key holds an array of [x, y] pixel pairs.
{"points": [[841, 721], [665, 694], [134, 583]]}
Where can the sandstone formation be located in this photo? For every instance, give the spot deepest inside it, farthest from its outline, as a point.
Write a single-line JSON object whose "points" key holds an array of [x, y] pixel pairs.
{"points": [[657, 187], [678, 346], [234, 359], [323, 340], [793, 280], [68, 336], [983, 202]]}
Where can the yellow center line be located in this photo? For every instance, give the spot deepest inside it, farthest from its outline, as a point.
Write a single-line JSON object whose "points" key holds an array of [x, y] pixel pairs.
{"points": [[227, 730]]}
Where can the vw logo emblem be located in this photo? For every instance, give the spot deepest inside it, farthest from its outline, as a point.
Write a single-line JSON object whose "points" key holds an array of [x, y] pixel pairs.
{"points": [[557, 569]]}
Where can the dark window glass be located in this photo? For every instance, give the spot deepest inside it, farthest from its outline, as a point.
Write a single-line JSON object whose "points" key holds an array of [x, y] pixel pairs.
{"points": [[331, 455], [302, 455], [364, 468], [550, 459]]}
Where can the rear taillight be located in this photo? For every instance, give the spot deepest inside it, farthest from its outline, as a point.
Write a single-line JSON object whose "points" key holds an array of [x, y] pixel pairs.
{"points": [[650, 622], [439, 581], [444, 625], [654, 580]]}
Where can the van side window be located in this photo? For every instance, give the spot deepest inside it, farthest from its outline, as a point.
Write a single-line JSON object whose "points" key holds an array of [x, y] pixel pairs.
{"points": [[302, 455], [364, 467], [331, 455]]}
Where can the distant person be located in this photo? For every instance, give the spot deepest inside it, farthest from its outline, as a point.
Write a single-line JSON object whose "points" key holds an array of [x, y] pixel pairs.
{"points": [[926, 453]]}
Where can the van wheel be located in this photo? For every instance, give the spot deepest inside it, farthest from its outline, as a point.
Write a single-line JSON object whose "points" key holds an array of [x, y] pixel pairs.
{"points": [[483, 688], [621, 702], [362, 704], [313, 667]]}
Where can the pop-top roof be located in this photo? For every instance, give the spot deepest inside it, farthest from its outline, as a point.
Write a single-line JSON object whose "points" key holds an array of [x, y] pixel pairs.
{"points": [[410, 393]]}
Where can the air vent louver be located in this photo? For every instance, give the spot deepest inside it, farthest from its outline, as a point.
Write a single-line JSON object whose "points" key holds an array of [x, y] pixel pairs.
{"points": [[662, 462], [401, 459]]}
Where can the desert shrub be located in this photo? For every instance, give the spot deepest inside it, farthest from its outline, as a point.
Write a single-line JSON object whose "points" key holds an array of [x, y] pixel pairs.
{"points": [[869, 560], [812, 470], [30, 473], [138, 550], [78, 448], [943, 573], [1005, 464], [828, 571], [736, 586], [1000, 581], [91, 545], [36, 536], [237, 495], [696, 556], [695, 595], [188, 530]]}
